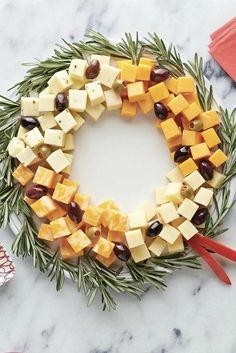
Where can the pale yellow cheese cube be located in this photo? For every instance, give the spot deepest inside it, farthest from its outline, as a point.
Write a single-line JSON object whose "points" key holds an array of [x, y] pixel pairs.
{"points": [[176, 247], [95, 93], [140, 253], [29, 106], [58, 161], [175, 175], [44, 206], [83, 200], [44, 92], [59, 228], [217, 180], [195, 180], [69, 157], [66, 120], [26, 156], [157, 246], [60, 82], [187, 209], [21, 132], [137, 220], [148, 209], [103, 59], [108, 75], [168, 212], [160, 193], [113, 100], [169, 234], [134, 238], [77, 69], [69, 143], [187, 229], [47, 121], [94, 112], [15, 146], [33, 138], [47, 103], [77, 100], [54, 137], [79, 121], [173, 192], [203, 196]]}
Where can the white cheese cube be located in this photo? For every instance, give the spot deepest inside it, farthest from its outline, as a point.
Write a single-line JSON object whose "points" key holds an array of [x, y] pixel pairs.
{"points": [[217, 180], [69, 157], [108, 75], [77, 69], [47, 103], [15, 146], [140, 253], [134, 238], [113, 100], [169, 234], [44, 92], [69, 143], [175, 175], [47, 121], [77, 100], [173, 192], [176, 247], [54, 137], [203, 196], [157, 246], [60, 82], [160, 193], [187, 209], [168, 212], [95, 93], [103, 59], [21, 132], [148, 209], [58, 161], [77, 84], [66, 120], [95, 112], [26, 156], [187, 229], [137, 220], [195, 180], [79, 121], [29, 106], [33, 138]]}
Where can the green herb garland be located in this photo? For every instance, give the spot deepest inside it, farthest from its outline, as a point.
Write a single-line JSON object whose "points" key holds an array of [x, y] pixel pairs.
{"points": [[88, 275]]}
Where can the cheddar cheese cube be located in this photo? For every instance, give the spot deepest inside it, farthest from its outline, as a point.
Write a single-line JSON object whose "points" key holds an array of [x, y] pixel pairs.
{"points": [[174, 143], [191, 138], [83, 200], [159, 92], [175, 175], [45, 232], [67, 251], [59, 228], [136, 91], [63, 193], [57, 179], [69, 182], [22, 174], [134, 238], [176, 247], [128, 109], [211, 138], [217, 180], [140, 253], [185, 85], [169, 233], [195, 180], [168, 212], [137, 220], [106, 217], [192, 97], [172, 85], [28, 200], [116, 237], [170, 129], [146, 104], [120, 63], [44, 206], [187, 229], [192, 111], [92, 215], [119, 221], [72, 226], [44, 176], [178, 104], [187, 167], [106, 261], [109, 204], [203, 196], [58, 213], [157, 246], [143, 72], [146, 61], [78, 241], [209, 119], [167, 100], [200, 151], [187, 209], [103, 247], [218, 158], [128, 72]]}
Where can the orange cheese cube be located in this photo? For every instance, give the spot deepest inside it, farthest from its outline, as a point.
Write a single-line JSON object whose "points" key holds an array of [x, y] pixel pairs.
{"points": [[187, 167], [184, 123], [72, 226], [59, 228], [56, 180], [44, 206], [146, 104], [159, 92], [83, 200], [44, 176], [192, 111], [209, 119], [63, 193], [136, 91], [185, 85], [128, 72], [200, 151], [58, 213], [92, 215], [218, 158], [192, 97], [106, 217], [191, 138], [172, 85], [120, 63], [28, 200], [66, 250], [106, 261], [143, 72], [69, 182], [109, 204], [128, 109], [178, 104], [119, 221], [22, 174], [116, 237], [211, 138], [168, 99], [78, 241], [146, 61], [103, 247], [170, 129], [45, 232], [174, 143]]}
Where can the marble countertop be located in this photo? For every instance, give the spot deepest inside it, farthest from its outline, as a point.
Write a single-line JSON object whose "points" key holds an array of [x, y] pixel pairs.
{"points": [[196, 314]]}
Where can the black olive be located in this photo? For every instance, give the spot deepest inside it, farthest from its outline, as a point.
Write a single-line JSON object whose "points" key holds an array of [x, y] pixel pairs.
{"points": [[182, 153], [74, 212], [36, 192], [206, 169], [159, 75], [160, 111], [29, 122], [61, 102], [122, 252], [154, 229], [93, 69], [200, 216]]}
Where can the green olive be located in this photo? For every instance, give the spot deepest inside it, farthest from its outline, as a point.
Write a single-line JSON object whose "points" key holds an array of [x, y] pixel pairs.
{"points": [[119, 85], [94, 232], [196, 125], [44, 151], [186, 191]]}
